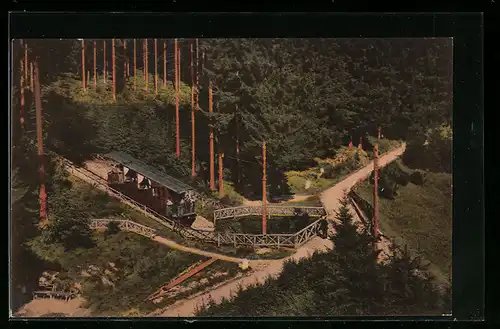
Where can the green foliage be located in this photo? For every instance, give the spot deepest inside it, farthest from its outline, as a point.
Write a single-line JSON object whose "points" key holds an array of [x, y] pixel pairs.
{"points": [[431, 151], [112, 229], [417, 177], [71, 233], [231, 197]]}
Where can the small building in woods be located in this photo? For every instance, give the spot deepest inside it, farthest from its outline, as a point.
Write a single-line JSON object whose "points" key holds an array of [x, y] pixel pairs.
{"points": [[149, 186]]}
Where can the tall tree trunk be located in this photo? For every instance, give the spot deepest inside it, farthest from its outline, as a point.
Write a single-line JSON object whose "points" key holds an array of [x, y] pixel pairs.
{"points": [[193, 132], [95, 65], [135, 65], [39, 135]]}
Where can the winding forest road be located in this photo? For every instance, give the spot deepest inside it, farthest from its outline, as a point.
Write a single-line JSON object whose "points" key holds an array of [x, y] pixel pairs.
{"points": [[330, 199]]}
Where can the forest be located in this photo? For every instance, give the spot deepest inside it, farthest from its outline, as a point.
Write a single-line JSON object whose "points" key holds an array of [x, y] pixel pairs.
{"points": [[307, 98]]}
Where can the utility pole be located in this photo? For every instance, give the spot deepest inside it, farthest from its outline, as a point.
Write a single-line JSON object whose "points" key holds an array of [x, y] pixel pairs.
{"points": [[221, 175], [164, 64], [135, 65], [39, 135], [114, 68], [177, 87], [264, 190], [95, 65], [21, 110], [31, 76], [193, 144], [156, 67], [105, 76], [375, 191], [211, 128], [83, 65]]}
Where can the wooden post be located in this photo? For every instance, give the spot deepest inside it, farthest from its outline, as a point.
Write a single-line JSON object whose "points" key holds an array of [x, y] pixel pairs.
{"points": [[31, 76], [135, 65], [95, 65], [264, 189], [221, 175], [379, 134], [25, 62], [156, 67], [39, 135], [210, 110], [114, 68], [177, 83], [375, 190], [21, 90], [164, 64], [105, 61], [193, 132], [197, 78], [87, 82], [83, 65]]}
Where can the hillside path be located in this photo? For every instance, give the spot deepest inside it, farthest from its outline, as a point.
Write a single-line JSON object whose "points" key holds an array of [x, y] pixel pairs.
{"points": [[330, 199]]}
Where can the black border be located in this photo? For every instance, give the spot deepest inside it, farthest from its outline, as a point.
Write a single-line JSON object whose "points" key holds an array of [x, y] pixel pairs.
{"points": [[465, 28]]}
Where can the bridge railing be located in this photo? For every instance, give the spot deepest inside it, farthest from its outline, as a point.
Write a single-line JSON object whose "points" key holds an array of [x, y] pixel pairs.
{"points": [[243, 211], [125, 225]]}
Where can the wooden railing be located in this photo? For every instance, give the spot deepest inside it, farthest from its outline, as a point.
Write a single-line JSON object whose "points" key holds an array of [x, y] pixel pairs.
{"points": [[124, 225], [236, 212]]}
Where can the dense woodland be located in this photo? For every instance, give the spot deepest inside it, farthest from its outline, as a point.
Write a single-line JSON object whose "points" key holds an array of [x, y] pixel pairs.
{"points": [[305, 97]]}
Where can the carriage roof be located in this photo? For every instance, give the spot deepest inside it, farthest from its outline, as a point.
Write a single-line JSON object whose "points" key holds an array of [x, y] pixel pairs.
{"points": [[150, 172]]}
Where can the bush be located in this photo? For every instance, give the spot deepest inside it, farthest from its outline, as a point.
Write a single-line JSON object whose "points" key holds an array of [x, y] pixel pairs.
{"points": [[112, 228], [417, 178], [329, 171]]}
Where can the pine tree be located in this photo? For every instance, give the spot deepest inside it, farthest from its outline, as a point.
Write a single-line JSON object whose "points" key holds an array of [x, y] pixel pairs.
{"points": [[359, 276], [410, 288]]}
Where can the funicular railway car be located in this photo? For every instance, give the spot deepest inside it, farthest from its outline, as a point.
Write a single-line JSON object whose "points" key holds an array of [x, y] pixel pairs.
{"points": [[152, 188]]}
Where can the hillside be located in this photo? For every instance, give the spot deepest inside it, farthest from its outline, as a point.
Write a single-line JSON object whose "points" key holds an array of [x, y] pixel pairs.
{"points": [[420, 216]]}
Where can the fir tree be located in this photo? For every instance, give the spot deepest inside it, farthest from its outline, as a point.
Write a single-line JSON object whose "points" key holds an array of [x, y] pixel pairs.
{"points": [[358, 272]]}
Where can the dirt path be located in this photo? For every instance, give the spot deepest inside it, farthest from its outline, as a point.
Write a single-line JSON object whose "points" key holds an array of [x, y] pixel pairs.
{"points": [[330, 199], [45, 307], [174, 245]]}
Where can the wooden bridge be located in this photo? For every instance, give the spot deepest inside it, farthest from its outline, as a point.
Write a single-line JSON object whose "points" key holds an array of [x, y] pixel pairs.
{"points": [[236, 212]]}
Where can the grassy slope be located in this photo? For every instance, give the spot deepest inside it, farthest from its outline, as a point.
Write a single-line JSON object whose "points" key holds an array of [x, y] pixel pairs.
{"points": [[421, 217]]}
